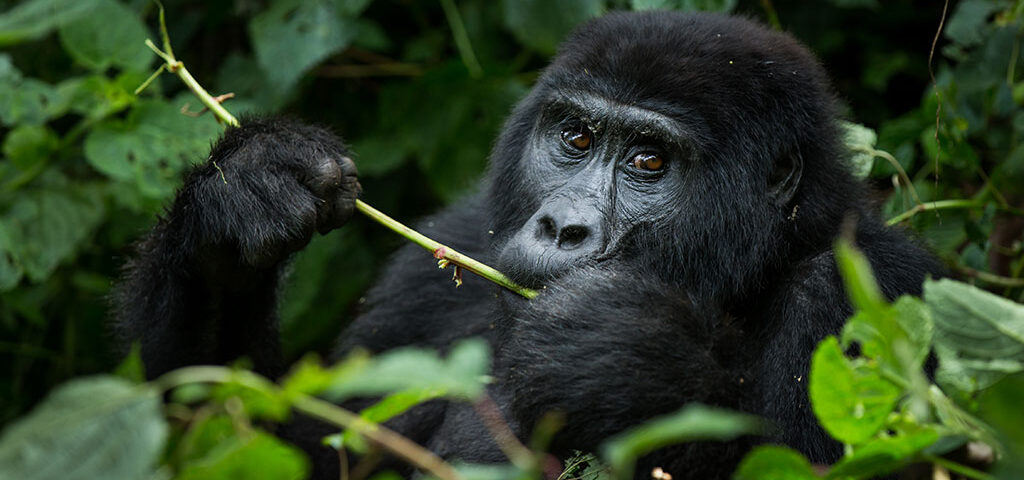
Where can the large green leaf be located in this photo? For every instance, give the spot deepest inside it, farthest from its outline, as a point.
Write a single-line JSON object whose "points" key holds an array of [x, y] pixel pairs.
{"points": [[111, 34], [693, 422], [883, 455], [293, 35], [979, 337], [542, 24], [90, 428], [254, 455], [851, 402], [35, 18]]}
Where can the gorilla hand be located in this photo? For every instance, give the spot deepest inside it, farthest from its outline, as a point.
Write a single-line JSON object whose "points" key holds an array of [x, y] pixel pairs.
{"points": [[268, 186]]}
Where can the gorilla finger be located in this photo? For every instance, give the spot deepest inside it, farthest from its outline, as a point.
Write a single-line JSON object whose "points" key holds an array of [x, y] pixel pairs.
{"points": [[324, 177]]}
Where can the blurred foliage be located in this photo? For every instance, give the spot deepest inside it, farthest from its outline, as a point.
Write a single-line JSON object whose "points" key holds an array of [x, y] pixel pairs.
{"points": [[421, 93]]}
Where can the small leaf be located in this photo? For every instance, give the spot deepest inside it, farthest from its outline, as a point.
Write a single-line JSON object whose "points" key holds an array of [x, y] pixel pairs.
{"points": [[851, 403], [883, 455], [28, 145], [131, 368], [89, 428], [979, 337], [693, 422], [858, 278], [860, 141], [772, 462]]}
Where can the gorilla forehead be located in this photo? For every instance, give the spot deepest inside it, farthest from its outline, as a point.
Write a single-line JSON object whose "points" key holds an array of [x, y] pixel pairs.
{"points": [[725, 69]]}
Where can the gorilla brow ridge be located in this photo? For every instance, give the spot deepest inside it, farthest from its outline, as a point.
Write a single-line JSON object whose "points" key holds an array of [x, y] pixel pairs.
{"points": [[645, 122]]}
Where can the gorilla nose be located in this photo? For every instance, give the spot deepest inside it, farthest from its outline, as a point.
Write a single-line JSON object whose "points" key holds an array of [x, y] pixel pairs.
{"points": [[569, 236]]}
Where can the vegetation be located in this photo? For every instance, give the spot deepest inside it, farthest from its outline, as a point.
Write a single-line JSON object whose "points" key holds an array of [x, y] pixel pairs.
{"points": [[420, 89]]}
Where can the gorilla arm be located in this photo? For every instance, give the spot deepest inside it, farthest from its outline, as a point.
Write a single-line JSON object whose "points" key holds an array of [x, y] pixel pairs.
{"points": [[202, 285]]}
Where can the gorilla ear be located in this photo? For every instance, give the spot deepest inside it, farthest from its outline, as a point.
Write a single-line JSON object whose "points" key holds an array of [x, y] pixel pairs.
{"points": [[785, 177]]}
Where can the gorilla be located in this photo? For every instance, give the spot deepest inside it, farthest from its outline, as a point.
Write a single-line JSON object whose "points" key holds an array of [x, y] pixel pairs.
{"points": [[673, 184]]}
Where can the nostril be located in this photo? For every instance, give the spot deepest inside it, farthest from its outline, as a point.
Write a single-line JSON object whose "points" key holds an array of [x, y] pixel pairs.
{"points": [[546, 229], [572, 236]]}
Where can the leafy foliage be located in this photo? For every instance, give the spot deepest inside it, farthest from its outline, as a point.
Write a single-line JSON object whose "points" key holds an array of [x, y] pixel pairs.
{"points": [[87, 164]]}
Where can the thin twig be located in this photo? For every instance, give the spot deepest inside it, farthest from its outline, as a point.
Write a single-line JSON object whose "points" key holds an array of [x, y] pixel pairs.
{"points": [[319, 409], [462, 43], [935, 85], [440, 251]]}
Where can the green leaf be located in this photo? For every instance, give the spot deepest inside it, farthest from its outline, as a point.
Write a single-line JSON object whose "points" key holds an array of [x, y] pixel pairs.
{"points": [[979, 337], [97, 427], [47, 226], [772, 462], [253, 456], [112, 34], [969, 21], [693, 422], [460, 376], [859, 140], [704, 5], [131, 368], [152, 147], [542, 24], [387, 408], [259, 397], [35, 18], [852, 403], [28, 101], [292, 36], [883, 455], [28, 145], [858, 278]]}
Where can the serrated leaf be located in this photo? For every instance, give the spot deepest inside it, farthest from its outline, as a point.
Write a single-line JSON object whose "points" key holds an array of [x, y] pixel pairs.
{"points": [[979, 337], [851, 403], [98, 427], [255, 456], [772, 462], [153, 146], [112, 34], [28, 101], [293, 35], [542, 24], [691, 423], [461, 375], [45, 227], [35, 18]]}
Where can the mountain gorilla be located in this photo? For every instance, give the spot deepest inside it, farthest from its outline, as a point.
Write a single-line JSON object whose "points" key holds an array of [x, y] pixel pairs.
{"points": [[674, 182]]}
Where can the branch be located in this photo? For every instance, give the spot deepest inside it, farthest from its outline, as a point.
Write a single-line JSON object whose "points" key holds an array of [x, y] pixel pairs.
{"points": [[316, 408], [443, 253]]}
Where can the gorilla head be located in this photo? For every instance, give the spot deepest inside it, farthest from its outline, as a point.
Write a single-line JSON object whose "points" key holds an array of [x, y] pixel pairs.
{"points": [[691, 140]]}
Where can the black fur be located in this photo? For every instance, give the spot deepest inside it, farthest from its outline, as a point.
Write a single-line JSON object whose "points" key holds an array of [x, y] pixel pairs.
{"points": [[710, 280]]}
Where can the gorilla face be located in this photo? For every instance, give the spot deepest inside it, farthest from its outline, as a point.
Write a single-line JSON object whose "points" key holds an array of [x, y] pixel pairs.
{"points": [[600, 168], [677, 142]]}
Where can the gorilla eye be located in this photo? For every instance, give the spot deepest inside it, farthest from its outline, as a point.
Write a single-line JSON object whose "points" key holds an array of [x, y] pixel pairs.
{"points": [[577, 137], [648, 162]]}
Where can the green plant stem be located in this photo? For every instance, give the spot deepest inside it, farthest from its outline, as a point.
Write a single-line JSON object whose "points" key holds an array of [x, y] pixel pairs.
{"points": [[440, 251], [443, 252], [317, 408], [957, 468], [949, 205], [462, 43]]}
